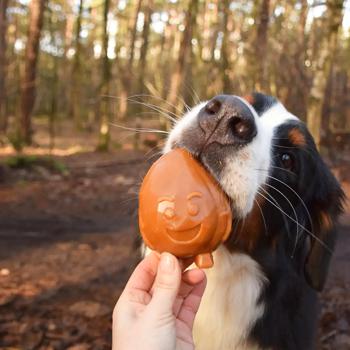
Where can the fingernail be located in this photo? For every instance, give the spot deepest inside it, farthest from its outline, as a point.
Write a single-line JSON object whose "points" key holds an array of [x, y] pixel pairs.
{"points": [[167, 262]]}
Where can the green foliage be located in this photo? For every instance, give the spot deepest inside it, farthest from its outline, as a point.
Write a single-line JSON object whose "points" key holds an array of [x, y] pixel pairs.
{"points": [[117, 145], [22, 161], [16, 141]]}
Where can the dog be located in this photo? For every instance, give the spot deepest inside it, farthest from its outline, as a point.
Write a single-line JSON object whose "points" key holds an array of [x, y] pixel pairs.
{"points": [[262, 291]]}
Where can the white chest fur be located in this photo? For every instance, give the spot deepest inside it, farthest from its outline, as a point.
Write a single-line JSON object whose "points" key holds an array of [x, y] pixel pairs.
{"points": [[230, 305]]}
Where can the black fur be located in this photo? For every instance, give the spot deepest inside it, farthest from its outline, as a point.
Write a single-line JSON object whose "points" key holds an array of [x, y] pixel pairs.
{"points": [[292, 260], [290, 254], [261, 102]]}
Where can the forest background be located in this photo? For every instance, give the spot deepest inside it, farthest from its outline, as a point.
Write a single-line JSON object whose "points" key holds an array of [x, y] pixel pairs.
{"points": [[90, 63], [89, 90]]}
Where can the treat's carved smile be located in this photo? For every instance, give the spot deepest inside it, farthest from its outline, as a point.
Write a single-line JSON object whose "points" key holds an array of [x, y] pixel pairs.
{"points": [[184, 235], [180, 230]]}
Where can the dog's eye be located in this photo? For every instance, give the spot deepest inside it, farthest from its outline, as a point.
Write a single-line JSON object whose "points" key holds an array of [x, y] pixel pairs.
{"points": [[287, 161]]}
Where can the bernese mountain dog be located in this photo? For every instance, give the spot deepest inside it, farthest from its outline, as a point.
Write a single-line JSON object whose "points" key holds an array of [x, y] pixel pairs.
{"points": [[262, 290]]}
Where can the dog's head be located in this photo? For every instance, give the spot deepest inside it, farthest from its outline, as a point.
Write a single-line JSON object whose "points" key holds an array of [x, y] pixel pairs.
{"points": [[284, 198]]}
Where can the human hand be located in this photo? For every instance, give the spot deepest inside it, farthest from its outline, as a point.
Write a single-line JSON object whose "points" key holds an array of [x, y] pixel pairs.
{"points": [[157, 308]]}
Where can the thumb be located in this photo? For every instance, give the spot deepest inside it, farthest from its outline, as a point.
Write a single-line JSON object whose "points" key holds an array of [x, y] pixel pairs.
{"points": [[166, 285]]}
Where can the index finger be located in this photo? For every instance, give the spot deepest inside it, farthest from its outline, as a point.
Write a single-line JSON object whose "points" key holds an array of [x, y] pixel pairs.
{"points": [[144, 275]]}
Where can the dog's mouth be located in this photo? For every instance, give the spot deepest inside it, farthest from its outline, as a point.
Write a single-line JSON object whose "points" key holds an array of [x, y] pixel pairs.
{"points": [[199, 157]]}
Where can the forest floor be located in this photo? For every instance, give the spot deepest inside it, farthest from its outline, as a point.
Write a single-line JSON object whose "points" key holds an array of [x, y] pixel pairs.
{"points": [[67, 248]]}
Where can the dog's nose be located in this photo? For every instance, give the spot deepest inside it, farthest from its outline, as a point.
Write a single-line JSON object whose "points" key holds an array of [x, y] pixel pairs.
{"points": [[227, 120]]}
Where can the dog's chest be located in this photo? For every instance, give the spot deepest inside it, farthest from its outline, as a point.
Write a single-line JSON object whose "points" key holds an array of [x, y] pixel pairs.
{"points": [[230, 305]]}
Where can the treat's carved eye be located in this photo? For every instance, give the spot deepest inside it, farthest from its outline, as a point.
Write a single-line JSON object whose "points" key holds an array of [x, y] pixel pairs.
{"points": [[166, 206], [193, 208], [169, 213]]}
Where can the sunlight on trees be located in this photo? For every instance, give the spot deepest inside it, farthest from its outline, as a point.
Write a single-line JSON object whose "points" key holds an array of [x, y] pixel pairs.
{"points": [[62, 59]]}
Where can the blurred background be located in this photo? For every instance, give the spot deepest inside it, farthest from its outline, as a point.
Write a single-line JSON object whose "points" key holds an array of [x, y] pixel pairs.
{"points": [[88, 92]]}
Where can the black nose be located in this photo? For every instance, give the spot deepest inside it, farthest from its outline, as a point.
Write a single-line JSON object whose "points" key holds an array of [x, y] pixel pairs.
{"points": [[227, 120]]}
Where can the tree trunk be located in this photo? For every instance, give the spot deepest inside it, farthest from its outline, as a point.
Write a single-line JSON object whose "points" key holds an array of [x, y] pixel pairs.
{"points": [[133, 35], [296, 98], [183, 56], [3, 29], [76, 96], [332, 20], [261, 74], [105, 117], [300, 57], [187, 93], [226, 83], [144, 47], [326, 110], [53, 87], [127, 74], [28, 88]]}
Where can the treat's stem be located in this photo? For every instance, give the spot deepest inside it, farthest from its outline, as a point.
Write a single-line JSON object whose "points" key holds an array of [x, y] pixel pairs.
{"points": [[204, 261]]}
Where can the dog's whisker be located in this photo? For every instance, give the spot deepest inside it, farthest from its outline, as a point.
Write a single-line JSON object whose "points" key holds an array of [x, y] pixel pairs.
{"points": [[175, 116], [234, 229], [128, 200], [293, 147], [280, 146], [187, 107], [158, 98], [149, 152], [303, 227], [297, 195], [162, 111], [240, 230], [294, 211], [262, 215], [195, 95], [150, 113], [133, 99], [275, 201], [155, 154], [294, 192], [275, 167], [140, 130]]}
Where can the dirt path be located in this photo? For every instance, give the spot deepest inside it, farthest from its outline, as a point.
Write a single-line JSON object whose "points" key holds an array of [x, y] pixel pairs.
{"points": [[67, 247]]}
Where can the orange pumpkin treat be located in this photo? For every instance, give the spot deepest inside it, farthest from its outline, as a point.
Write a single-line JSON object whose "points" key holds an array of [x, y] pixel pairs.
{"points": [[182, 210]]}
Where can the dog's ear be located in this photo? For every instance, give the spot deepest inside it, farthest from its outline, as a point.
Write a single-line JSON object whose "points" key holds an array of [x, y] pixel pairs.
{"points": [[318, 259], [326, 205], [260, 102]]}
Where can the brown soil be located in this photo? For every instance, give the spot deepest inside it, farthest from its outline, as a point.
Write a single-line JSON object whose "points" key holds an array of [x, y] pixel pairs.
{"points": [[67, 248]]}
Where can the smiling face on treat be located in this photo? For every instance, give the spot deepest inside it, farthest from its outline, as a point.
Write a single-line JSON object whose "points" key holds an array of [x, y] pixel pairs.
{"points": [[183, 215], [183, 212]]}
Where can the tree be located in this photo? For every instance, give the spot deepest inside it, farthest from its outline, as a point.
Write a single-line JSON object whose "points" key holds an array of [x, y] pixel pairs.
{"points": [[28, 88], [127, 74], [76, 95], [177, 78], [261, 74], [133, 35], [104, 132], [226, 84], [323, 65], [144, 47], [3, 28]]}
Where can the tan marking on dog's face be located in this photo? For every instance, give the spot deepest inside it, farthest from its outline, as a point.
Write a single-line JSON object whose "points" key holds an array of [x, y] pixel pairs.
{"points": [[296, 137], [249, 98]]}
